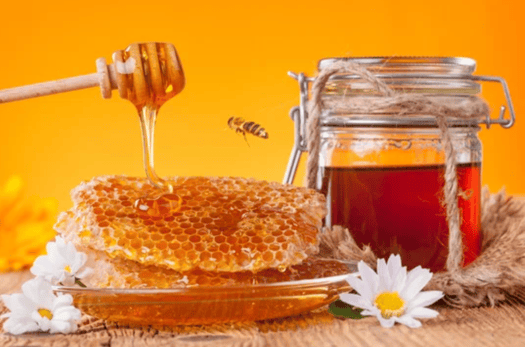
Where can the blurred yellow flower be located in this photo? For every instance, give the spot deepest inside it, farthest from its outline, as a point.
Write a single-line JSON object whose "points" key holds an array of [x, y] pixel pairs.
{"points": [[26, 225]]}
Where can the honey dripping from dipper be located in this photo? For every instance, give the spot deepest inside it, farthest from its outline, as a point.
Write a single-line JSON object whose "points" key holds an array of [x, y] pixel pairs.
{"points": [[149, 74]]}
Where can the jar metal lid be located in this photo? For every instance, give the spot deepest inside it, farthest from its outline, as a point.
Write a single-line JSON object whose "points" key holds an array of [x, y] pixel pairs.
{"points": [[439, 65], [428, 75]]}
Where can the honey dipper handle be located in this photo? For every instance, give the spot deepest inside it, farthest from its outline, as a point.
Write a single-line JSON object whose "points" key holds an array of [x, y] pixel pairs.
{"points": [[105, 78]]}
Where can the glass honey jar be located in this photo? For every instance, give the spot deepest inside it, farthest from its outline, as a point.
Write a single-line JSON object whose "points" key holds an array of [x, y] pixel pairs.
{"points": [[383, 174]]}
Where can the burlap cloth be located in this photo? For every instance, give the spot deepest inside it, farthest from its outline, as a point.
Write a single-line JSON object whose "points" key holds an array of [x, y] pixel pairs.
{"points": [[499, 272]]}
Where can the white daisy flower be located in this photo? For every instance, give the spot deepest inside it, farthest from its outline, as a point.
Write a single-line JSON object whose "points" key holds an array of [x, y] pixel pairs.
{"points": [[38, 308], [62, 264], [392, 294]]}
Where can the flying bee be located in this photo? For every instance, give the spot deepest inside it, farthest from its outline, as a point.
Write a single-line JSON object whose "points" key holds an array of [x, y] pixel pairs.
{"points": [[241, 126]]}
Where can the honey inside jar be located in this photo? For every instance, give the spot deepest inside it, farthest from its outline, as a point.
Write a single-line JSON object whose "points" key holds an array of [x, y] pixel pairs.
{"points": [[386, 186], [382, 167], [400, 210]]}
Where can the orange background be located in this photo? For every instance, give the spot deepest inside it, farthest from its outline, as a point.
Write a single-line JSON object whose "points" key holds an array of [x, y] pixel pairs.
{"points": [[235, 55]]}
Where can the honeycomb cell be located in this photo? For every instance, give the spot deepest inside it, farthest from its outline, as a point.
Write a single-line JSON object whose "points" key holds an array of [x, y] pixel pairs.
{"points": [[136, 243], [195, 239], [174, 246], [261, 247], [245, 225], [187, 246]]}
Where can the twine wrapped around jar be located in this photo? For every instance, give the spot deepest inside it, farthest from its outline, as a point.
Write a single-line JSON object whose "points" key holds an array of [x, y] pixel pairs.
{"points": [[408, 104], [500, 268]]}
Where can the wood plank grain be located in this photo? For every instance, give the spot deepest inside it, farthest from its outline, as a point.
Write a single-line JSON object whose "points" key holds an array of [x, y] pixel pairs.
{"points": [[485, 326]]}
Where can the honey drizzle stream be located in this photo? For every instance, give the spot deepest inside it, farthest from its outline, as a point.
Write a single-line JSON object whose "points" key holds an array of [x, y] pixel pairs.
{"points": [[151, 74], [148, 118]]}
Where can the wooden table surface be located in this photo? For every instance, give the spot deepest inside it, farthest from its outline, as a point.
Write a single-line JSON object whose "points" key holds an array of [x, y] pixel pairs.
{"points": [[486, 326]]}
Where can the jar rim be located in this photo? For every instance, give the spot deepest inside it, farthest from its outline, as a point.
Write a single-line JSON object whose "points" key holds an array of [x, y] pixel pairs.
{"points": [[334, 120], [456, 66], [426, 75]]}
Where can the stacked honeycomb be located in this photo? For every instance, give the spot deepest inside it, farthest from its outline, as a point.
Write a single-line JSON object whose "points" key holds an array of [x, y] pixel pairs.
{"points": [[119, 273], [207, 224]]}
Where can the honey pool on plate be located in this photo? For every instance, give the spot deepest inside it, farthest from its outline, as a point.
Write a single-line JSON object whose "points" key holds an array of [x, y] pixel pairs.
{"points": [[208, 304]]}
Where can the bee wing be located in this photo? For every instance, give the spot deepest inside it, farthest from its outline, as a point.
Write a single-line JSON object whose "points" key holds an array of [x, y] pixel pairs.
{"points": [[238, 121]]}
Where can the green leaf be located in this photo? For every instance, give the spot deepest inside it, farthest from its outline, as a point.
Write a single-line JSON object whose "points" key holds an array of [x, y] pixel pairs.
{"points": [[80, 284], [341, 309]]}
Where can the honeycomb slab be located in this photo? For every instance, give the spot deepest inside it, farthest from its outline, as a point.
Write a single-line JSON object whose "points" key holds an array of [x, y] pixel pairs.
{"points": [[213, 224], [119, 273]]}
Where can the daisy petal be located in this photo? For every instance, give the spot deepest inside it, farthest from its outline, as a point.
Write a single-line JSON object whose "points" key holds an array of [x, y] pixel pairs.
{"points": [[425, 299], [84, 273], [42, 266], [51, 248], [43, 322], [58, 326], [399, 281], [62, 300], [385, 281], [20, 326], [18, 304], [80, 260], [67, 313], [355, 300], [416, 280], [394, 265], [64, 327], [369, 312], [31, 289], [368, 276], [10, 301], [385, 323], [56, 257], [359, 286], [423, 312], [409, 321], [60, 241]]}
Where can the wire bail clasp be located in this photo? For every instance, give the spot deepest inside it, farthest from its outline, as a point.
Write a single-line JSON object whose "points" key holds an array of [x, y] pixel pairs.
{"points": [[299, 114]]}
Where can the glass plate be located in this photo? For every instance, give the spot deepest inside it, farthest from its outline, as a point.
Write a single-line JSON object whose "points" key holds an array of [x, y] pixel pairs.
{"points": [[208, 304]]}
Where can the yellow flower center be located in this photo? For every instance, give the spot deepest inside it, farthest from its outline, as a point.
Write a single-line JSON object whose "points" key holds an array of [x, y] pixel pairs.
{"points": [[390, 304], [44, 312], [68, 268]]}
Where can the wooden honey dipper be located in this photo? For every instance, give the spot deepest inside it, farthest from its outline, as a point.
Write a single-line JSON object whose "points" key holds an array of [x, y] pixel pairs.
{"points": [[147, 74], [144, 73]]}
